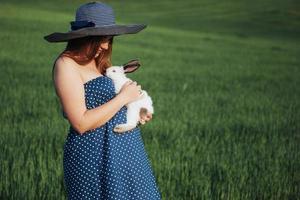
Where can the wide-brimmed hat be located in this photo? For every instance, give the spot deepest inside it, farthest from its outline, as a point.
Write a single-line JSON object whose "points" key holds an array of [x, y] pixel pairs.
{"points": [[92, 19]]}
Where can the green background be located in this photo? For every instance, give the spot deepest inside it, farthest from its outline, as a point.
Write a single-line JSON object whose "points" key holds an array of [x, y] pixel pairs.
{"points": [[223, 76]]}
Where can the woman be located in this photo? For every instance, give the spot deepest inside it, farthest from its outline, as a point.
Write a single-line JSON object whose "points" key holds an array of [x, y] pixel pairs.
{"points": [[99, 163]]}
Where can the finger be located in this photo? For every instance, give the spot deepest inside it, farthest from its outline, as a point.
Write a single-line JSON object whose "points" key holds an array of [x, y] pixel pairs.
{"points": [[144, 117], [149, 115], [146, 120], [128, 82]]}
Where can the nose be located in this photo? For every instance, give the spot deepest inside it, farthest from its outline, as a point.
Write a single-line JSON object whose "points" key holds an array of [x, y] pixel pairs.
{"points": [[106, 45], [103, 46]]}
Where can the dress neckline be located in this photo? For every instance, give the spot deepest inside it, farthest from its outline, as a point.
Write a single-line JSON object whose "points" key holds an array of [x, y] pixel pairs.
{"points": [[93, 79]]}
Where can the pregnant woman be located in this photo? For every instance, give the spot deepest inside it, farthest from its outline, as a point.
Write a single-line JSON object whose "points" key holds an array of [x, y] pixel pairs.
{"points": [[99, 163]]}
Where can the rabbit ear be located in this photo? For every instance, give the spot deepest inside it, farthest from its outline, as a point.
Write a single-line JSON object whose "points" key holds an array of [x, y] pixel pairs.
{"points": [[131, 66]]}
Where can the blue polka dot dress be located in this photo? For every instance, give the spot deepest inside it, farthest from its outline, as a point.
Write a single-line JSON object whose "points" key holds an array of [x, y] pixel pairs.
{"points": [[102, 164]]}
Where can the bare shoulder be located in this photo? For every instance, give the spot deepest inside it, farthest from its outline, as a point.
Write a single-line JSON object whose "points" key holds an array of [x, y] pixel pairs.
{"points": [[65, 64], [65, 68]]}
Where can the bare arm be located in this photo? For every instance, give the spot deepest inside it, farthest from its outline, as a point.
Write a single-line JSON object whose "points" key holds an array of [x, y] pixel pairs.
{"points": [[69, 87]]}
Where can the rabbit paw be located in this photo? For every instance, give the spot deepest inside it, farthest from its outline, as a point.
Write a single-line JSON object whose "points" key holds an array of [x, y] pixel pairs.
{"points": [[123, 127]]}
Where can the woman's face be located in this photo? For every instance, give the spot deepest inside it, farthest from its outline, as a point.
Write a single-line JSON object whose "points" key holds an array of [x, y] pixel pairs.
{"points": [[105, 42], [104, 45]]}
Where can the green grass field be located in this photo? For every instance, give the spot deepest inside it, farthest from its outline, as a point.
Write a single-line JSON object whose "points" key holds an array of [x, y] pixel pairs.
{"points": [[223, 76]]}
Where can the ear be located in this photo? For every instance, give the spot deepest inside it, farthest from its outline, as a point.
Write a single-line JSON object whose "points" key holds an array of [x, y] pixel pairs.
{"points": [[131, 66]]}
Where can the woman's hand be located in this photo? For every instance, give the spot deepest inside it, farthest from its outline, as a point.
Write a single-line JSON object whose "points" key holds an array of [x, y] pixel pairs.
{"points": [[130, 91], [145, 116]]}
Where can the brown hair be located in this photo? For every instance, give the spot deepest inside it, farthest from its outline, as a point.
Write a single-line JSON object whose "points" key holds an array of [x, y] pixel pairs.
{"points": [[83, 50]]}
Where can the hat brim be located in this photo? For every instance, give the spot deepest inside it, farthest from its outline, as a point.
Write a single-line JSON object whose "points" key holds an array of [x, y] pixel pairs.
{"points": [[113, 30]]}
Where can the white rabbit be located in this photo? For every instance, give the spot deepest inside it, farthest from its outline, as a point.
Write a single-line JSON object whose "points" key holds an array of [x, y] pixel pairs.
{"points": [[117, 74]]}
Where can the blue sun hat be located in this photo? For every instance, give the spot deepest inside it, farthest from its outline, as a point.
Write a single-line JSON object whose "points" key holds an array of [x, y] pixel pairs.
{"points": [[93, 19]]}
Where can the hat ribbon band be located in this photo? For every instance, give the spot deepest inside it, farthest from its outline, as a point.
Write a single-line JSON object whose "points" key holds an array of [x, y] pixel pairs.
{"points": [[75, 25]]}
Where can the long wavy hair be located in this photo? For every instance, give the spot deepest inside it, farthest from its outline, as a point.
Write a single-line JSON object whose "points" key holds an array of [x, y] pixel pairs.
{"points": [[83, 50]]}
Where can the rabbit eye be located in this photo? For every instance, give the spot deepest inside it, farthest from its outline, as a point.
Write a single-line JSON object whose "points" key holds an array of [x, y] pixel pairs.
{"points": [[114, 70]]}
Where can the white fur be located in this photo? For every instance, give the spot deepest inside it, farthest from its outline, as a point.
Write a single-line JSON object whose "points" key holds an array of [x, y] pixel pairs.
{"points": [[116, 73]]}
